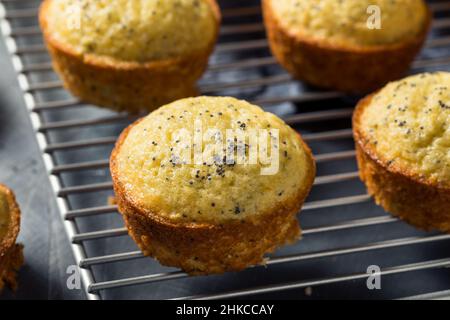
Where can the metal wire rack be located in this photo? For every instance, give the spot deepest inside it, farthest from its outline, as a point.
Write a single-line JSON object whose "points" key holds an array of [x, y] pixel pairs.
{"points": [[344, 232]]}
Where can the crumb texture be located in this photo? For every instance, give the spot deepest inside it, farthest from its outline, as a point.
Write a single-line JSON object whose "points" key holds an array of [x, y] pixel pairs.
{"points": [[134, 30], [217, 190], [344, 22], [408, 124]]}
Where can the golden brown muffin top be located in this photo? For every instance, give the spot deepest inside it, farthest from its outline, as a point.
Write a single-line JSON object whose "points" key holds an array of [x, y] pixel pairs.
{"points": [[134, 30], [345, 22], [158, 176], [408, 124]]}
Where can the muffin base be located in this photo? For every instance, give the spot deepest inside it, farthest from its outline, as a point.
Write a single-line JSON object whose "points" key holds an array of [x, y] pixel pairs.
{"points": [[11, 254], [414, 200], [348, 69], [121, 85], [209, 248], [10, 264]]}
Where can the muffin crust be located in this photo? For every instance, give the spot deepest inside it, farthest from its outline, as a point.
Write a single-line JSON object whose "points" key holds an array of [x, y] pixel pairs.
{"points": [[11, 254], [136, 30], [4, 216], [408, 122], [124, 76], [336, 61], [208, 218], [344, 23], [402, 143]]}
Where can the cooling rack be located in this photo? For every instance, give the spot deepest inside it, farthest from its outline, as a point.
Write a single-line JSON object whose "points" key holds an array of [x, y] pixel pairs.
{"points": [[344, 232]]}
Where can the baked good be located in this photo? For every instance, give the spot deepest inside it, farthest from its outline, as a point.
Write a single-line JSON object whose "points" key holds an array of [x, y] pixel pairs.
{"points": [[11, 255], [402, 138], [130, 55], [329, 44], [214, 215]]}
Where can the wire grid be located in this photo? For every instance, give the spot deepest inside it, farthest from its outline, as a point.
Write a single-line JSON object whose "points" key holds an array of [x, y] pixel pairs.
{"points": [[344, 232]]}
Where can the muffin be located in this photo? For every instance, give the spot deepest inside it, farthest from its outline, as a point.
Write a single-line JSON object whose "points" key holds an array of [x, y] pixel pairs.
{"points": [[11, 254], [337, 44], [130, 55], [206, 205], [402, 138]]}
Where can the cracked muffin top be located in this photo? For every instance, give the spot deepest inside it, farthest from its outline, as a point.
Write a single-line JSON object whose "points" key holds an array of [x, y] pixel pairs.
{"points": [[134, 30], [344, 22], [157, 164], [407, 123]]}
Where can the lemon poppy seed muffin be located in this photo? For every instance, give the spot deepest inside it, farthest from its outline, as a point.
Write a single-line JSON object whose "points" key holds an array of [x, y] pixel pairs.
{"points": [[130, 55], [11, 255], [212, 214], [403, 142], [340, 45]]}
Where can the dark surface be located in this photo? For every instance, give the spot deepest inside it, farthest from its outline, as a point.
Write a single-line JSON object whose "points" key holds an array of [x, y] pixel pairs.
{"points": [[47, 250]]}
